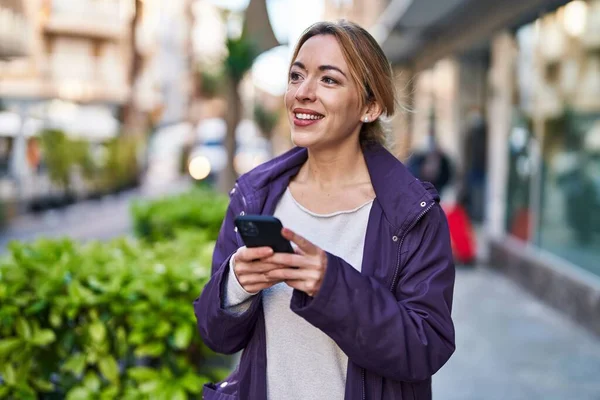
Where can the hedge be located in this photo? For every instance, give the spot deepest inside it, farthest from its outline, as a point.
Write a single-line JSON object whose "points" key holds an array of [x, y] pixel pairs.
{"points": [[198, 209], [105, 320]]}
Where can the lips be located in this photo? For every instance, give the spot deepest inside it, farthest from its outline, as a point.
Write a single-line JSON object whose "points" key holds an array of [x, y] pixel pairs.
{"points": [[306, 117]]}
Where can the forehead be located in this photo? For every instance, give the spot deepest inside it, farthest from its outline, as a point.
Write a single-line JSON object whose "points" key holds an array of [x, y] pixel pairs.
{"points": [[322, 50]]}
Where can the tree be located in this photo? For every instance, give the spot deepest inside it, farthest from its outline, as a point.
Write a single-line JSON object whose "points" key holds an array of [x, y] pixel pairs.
{"points": [[265, 119], [134, 121], [241, 55], [257, 37]]}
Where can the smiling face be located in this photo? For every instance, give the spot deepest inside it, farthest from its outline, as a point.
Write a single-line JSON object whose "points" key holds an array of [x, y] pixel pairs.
{"points": [[322, 99]]}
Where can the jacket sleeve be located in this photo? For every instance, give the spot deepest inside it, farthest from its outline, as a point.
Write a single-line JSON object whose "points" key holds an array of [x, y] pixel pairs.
{"points": [[405, 336], [222, 329]]}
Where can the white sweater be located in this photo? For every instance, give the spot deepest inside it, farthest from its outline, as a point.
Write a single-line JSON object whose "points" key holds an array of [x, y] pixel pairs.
{"points": [[303, 363]]}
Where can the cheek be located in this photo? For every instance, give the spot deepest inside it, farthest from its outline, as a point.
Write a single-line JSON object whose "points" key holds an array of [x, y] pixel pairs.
{"points": [[288, 97]]}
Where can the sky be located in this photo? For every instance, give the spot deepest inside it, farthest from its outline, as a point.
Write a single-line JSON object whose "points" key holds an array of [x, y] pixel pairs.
{"points": [[288, 18]]}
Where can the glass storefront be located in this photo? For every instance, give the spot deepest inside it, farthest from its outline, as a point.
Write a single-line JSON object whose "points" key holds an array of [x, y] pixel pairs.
{"points": [[554, 179]]}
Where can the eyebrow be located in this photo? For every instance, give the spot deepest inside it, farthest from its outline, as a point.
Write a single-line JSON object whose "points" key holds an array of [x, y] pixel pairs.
{"points": [[321, 68]]}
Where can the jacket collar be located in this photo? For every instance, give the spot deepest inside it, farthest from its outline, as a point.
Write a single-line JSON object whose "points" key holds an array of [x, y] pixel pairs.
{"points": [[402, 197]]}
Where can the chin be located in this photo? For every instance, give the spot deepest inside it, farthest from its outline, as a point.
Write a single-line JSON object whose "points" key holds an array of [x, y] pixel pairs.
{"points": [[303, 139]]}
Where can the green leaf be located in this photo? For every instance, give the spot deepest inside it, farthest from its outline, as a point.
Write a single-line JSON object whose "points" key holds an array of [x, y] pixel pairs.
{"points": [[75, 364], [79, 393], [162, 329], [142, 374], [8, 345], [9, 375], [24, 392], [178, 394], [92, 382], [23, 328], [110, 393], [43, 337], [109, 368], [98, 332], [183, 336], [24, 366], [150, 350], [55, 320], [150, 386], [193, 383], [36, 307], [121, 342], [137, 337], [43, 385]]}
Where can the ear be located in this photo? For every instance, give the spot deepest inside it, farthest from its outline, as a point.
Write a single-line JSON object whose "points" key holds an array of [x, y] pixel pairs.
{"points": [[371, 111]]}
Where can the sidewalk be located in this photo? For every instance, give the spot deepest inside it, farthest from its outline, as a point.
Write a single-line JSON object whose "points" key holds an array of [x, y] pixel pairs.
{"points": [[510, 346], [101, 219]]}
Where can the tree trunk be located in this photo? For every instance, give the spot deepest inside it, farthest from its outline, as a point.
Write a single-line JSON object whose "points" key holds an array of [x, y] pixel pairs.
{"points": [[134, 121], [228, 176]]}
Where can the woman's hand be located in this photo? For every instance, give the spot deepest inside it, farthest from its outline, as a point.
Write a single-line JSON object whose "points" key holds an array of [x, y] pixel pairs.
{"points": [[304, 270], [251, 268]]}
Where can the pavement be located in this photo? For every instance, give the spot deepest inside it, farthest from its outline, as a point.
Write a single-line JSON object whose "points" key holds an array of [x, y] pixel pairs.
{"points": [[510, 346], [100, 219]]}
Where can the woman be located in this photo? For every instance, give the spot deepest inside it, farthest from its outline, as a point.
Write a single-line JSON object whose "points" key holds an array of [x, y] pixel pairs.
{"points": [[366, 313]]}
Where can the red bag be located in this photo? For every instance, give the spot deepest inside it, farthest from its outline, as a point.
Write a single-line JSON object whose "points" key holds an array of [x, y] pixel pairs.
{"points": [[461, 234]]}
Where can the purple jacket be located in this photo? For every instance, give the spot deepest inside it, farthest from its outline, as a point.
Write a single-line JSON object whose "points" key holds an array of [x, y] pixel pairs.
{"points": [[392, 319]]}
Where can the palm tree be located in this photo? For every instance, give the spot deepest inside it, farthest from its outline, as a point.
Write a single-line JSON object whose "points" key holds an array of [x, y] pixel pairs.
{"points": [[257, 37], [239, 61], [133, 120]]}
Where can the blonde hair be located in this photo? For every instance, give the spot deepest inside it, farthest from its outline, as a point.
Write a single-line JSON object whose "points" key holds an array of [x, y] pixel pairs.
{"points": [[369, 68]]}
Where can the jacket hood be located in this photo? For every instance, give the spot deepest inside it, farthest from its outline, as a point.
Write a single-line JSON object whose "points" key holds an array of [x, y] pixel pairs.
{"points": [[402, 196]]}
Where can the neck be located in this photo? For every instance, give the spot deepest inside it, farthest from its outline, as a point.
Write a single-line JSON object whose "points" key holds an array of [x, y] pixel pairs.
{"points": [[335, 167]]}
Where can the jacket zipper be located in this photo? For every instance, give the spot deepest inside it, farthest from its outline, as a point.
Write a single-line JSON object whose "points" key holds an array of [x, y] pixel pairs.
{"points": [[394, 278], [236, 188], [415, 222]]}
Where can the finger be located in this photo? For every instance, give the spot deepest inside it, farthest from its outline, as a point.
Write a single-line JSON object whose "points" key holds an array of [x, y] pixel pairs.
{"points": [[308, 287], [287, 274], [252, 253], [302, 243], [298, 250], [256, 267], [296, 284], [260, 286], [291, 260], [256, 279]]}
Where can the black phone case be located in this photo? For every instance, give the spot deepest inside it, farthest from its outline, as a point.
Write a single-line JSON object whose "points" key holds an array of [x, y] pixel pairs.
{"points": [[262, 230]]}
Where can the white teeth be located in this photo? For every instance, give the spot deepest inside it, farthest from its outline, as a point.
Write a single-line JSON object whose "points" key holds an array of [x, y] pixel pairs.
{"points": [[307, 116]]}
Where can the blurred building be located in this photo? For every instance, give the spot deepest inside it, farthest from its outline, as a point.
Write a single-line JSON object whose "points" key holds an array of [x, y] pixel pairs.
{"points": [[511, 91], [363, 12], [14, 30], [79, 52], [79, 66], [70, 74]]}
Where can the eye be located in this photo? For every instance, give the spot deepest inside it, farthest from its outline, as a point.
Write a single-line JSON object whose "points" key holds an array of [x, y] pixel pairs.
{"points": [[294, 76], [329, 81]]}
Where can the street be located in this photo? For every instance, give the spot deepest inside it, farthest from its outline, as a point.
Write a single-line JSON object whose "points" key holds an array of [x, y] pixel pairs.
{"points": [[93, 219], [509, 345]]}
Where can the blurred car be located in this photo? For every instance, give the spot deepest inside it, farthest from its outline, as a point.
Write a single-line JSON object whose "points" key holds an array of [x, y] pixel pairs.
{"points": [[208, 156]]}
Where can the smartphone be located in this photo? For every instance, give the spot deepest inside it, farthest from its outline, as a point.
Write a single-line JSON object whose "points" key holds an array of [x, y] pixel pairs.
{"points": [[263, 231]]}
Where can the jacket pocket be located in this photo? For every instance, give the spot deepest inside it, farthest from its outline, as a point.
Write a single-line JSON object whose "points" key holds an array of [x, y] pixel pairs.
{"points": [[211, 392]]}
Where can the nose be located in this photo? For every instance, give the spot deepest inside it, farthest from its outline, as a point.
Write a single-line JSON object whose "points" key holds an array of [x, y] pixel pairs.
{"points": [[306, 91]]}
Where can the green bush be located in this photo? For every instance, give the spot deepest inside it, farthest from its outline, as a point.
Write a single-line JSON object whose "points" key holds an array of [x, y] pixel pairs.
{"points": [[199, 209], [121, 168], [118, 171], [104, 320], [58, 156]]}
